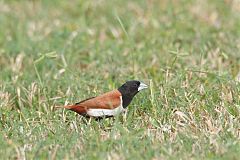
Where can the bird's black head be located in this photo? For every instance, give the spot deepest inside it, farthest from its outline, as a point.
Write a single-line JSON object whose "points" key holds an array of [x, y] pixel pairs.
{"points": [[129, 90]]}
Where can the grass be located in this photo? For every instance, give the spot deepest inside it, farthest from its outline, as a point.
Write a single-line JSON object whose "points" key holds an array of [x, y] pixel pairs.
{"points": [[60, 52]]}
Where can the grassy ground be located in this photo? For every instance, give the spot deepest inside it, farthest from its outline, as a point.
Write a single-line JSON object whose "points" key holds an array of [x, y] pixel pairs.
{"points": [[59, 52]]}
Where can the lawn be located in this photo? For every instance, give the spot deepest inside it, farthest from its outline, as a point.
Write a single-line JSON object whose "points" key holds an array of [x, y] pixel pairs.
{"points": [[60, 52]]}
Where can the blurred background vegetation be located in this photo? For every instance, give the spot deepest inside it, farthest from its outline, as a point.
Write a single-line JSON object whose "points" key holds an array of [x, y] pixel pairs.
{"points": [[57, 52]]}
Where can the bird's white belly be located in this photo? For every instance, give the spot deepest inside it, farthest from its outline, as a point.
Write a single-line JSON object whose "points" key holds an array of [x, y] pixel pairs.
{"points": [[106, 112]]}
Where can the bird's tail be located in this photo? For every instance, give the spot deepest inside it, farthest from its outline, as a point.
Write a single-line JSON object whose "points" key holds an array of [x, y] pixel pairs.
{"points": [[75, 108], [66, 107]]}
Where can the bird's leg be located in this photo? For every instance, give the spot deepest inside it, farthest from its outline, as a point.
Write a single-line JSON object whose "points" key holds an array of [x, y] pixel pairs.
{"points": [[85, 120], [89, 121]]}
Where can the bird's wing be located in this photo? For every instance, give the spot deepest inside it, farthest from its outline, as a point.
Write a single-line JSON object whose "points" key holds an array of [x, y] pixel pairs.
{"points": [[109, 100]]}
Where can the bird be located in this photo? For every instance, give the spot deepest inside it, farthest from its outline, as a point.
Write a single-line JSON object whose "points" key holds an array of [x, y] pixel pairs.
{"points": [[109, 104]]}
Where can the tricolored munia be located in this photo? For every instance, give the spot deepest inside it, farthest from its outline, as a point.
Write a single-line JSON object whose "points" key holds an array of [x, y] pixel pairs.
{"points": [[108, 104]]}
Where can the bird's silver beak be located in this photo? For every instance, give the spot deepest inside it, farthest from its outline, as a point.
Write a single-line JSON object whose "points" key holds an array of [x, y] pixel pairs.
{"points": [[142, 86]]}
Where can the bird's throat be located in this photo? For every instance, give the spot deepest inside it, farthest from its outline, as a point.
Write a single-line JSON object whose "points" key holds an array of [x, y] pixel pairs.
{"points": [[126, 100]]}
